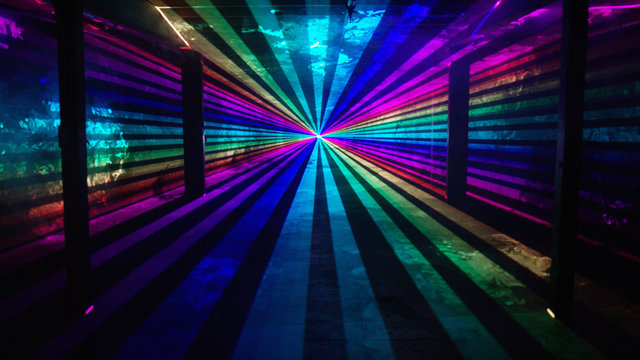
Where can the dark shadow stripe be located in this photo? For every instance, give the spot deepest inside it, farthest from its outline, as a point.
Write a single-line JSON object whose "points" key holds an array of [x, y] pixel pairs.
{"points": [[35, 326], [133, 121], [95, 85], [324, 336], [600, 332], [413, 328]]}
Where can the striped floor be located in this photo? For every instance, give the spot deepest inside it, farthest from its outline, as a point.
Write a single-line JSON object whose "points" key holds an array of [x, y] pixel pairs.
{"points": [[311, 251]]}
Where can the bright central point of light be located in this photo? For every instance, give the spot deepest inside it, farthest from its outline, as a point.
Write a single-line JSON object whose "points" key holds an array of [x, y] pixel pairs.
{"points": [[318, 136]]}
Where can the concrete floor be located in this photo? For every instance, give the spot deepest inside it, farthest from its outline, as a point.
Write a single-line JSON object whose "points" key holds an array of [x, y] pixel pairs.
{"points": [[316, 253]]}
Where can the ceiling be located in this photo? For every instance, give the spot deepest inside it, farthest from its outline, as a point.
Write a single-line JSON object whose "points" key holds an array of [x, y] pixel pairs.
{"points": [[324, 67], [318, 62]]}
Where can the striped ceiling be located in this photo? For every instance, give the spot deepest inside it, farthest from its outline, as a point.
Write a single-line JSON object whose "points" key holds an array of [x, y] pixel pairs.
{"points": [[328, 70]]}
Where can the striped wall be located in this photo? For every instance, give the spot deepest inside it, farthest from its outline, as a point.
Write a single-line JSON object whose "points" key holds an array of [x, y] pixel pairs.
{"points": [[30, 173], [513, 108], [611, 135], [134, 123], [512, 130], [134, 127]]}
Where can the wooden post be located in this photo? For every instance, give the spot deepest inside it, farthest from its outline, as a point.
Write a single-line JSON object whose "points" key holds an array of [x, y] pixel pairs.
{"points": [[72, 139], [458, 131], [568, 156], [193, 123]]}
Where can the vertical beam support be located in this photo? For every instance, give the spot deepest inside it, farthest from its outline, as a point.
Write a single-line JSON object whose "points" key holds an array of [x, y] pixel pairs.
{"points": [[193, 123], [458, 131], [568, 156], [72, 140]]}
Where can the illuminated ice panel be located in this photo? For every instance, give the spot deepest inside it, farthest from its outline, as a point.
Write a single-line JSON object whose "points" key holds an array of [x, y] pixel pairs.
{"points": [[30, 159], [512, 127], [134, 128]]}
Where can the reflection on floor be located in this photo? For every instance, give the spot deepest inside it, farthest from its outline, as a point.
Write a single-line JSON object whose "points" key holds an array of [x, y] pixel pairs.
{"points": [[311, 251]]}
